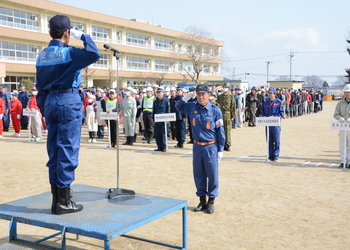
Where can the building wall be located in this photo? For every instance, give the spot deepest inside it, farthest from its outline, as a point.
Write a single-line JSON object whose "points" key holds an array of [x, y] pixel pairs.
{"points": [[156, 52]]}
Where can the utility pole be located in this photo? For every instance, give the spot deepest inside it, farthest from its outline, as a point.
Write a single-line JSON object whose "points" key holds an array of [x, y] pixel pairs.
{"points": [[267, 72], [291, 55]]}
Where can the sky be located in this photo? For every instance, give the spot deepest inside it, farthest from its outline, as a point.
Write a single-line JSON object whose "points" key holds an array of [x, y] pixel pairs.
{"points": [[255, 32]]}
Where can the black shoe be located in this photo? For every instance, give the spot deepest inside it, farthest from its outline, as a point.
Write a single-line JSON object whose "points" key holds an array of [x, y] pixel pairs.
{"points": [[228, 149], [54, 191], [127, 141], [270, 159], [342, 165], [164, 149], [202, 204], [225, 148], [158, 149], [64, 204], [190, 142], [179, 145], [210, 206]]}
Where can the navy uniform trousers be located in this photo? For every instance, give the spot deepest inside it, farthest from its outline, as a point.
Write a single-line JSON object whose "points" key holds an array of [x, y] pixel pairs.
{"points": [[63, 113], [205, 169]]}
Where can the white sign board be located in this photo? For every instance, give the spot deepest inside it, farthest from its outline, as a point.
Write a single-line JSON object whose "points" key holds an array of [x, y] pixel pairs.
{"points": [[168, 117], [30, 112], [337, 125], [110, 116], [268, 121]]}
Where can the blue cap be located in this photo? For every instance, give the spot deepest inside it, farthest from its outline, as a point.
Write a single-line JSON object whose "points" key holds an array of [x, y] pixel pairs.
{"points": [[59, 23], [3, 86], [22, 85], [160, 90], [202, 89], [271, 90], [14, 94]]}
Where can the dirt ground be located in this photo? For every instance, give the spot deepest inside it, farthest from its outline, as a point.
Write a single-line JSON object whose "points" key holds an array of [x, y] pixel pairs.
{"points": [[300, 202]]}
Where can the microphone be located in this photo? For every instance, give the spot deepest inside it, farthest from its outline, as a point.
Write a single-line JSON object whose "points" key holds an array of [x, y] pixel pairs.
{"points": [[106, 46]]}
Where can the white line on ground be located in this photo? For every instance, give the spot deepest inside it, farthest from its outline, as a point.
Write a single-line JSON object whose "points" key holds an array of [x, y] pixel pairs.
{"points": [[246, 156], [189, 153], [306, 163], [331, 165], [319, 164]]}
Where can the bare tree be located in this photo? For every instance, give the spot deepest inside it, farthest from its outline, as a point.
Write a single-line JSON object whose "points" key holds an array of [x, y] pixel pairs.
{"points": [[313, 81], [87, 74], [111, 77], [199, 49], [340, 82]]}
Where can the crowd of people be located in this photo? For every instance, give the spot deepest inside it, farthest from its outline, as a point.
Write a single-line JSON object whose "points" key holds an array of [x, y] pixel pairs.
{"points": [[136, 108]]}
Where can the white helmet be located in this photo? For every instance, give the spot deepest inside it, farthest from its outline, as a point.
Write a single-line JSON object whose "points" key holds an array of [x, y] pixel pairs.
{"points": [[347, 88]]}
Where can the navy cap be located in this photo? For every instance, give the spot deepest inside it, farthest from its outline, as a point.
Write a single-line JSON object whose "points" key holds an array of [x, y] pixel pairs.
{"points": [[179, 88], [3, 86], [271, 90], [59, 23], [192, 89], [202, 89], [14, 94], [160, 90], [22, 85]]}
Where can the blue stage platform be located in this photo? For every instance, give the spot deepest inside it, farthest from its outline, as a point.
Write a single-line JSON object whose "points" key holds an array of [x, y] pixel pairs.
{"points": [[101, 218]]}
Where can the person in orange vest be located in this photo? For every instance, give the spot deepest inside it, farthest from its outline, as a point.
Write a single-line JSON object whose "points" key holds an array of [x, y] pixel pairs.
{"points": [[35, 123], [2, 111], [16, 111]]}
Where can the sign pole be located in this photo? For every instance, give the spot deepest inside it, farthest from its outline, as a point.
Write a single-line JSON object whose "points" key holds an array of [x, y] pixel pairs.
{"points": [[268, 141], [166, 136], [345, 151]]}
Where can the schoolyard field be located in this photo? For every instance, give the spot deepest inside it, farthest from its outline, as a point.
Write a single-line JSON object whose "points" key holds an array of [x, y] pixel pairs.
{"points": [[300, 202]]}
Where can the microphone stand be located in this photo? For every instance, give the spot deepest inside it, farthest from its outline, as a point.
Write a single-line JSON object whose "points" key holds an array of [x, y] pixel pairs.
{"points": [[113, 192]]}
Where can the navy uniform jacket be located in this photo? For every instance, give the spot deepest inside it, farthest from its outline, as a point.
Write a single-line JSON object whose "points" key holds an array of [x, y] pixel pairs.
{"points": [[161, 106], [179, 115], [7, 100], [273, 108], [23, 97], [59, 66], [207, 123]]}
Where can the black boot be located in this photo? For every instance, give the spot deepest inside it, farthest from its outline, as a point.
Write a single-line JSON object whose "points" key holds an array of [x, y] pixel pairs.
{"points": [[127, 141], [210, 206], [134, 139], [64, 204], [131, 140], [202, 204], [54, 191]]}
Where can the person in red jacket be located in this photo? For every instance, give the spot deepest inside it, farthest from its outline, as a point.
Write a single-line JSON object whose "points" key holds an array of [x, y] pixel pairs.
{"points": [[35, 121], [16, 111], [2, 111]]}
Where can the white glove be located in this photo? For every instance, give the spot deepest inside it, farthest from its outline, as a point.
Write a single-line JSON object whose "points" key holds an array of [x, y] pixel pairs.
{"points": [[341, 119], [220, 155], [18, 116], [1, 115], [76, 33], [348, 120], [187, 96]]}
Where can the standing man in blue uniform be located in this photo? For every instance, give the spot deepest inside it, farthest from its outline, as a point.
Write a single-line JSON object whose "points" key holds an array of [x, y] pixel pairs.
{"points": [[273, 107], [180, 123], [23, 97], [209, 140], [7, 101], [161, 106], [58, 78]]}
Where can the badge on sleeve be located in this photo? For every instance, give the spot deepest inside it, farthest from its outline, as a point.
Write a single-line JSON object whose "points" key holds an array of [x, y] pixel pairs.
{"points": [[219, 123]]}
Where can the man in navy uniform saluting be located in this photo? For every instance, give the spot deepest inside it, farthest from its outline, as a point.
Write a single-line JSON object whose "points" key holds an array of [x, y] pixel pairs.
{"points": [[58, 78], [209, 139]]}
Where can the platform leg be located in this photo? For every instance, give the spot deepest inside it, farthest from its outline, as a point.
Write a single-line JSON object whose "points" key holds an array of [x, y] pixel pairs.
{"points": [[107, 245], [13, 229], [184, 227], [63, 239]]}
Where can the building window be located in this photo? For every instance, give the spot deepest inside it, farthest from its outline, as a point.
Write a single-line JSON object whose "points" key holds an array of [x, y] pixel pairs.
{"points": [[119, 37], [78, 26], [163, 66], [100, 34], [18, 19], [137, 40], [18, 78], [18, 52], [163, 44], [206, 69], [102, 62], [137, 63]]}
